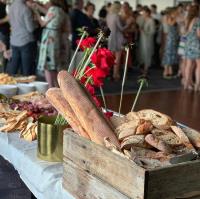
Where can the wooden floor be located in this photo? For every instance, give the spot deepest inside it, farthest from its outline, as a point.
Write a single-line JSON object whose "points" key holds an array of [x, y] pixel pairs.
{"points": [[182, 106]]}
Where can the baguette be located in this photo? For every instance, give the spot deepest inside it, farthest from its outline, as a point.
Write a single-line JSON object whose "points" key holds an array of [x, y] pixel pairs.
{"points": [[90, 117], [183, 137], [159, 120], [158, 144], [57, 100]]}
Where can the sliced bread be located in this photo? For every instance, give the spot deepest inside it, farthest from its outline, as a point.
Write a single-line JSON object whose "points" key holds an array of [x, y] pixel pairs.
{"points": [[159, 120]]}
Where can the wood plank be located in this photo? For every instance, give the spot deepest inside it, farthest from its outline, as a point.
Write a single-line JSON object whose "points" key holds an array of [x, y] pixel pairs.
{"points": [[173, 181], [192, 195], [83, 185], [119, 172]]}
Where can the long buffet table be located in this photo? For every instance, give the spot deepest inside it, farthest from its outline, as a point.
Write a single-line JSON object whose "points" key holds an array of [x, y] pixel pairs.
{"points": [[44, 179]]}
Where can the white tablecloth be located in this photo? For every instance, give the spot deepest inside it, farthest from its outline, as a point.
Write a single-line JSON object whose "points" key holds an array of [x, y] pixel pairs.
{"points": [[44, 179]]}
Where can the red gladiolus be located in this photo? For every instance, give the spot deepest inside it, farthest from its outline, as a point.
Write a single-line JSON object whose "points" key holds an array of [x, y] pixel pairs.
{"points": [[90, 89], [103, 58], [108, 114], [89, 42], [97, 102], [97, 75]]}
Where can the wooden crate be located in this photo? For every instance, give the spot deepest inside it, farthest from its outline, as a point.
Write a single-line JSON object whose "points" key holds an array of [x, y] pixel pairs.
{"points": [[93, 172]]}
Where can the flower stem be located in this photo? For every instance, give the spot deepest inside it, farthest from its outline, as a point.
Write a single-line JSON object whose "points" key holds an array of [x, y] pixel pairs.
{"points": [[88, 60], [88, 80], [137, 96], [81, 62], [124, 79], [103, 97], [76, 51]]}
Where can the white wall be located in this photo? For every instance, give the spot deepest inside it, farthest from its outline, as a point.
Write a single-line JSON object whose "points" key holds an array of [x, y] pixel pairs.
{"points": [[162, 4], [100, 3]]}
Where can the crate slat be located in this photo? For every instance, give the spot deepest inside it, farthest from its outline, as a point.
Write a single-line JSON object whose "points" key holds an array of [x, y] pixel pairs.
{"points": [[106, 165], [82, 185], [174, 180]]}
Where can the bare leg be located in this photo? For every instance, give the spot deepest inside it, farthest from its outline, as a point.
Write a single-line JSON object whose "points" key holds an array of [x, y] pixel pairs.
{"points": [[197, 75], [51, 78], [188, 74], [54, 75], [116, 69], [182, 70], [170, 70], [166, 71]]}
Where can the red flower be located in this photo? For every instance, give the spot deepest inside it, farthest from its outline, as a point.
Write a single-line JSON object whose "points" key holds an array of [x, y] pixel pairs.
{"points": [[103, 58], [90, 89], [108, 114], [89, 42], [97, 75], [97, 102]]}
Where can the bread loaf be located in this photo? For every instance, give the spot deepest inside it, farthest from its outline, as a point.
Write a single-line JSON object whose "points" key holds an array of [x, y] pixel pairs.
{"points": [[167, 136], [132, 116], [183, 137], [135, 140], [158, 144], [57, 100], [90, 117], [144, 128], [194, 136], [159, 120], [127, 129]]}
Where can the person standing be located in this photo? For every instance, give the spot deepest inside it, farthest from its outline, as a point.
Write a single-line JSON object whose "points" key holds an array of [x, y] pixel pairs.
{"points": [[4, 32], [192, 49], [22, 40], [78, 20], [146, 43], [116, 40], [170, 58], [127, 15], [53, 25], [94, 24], [4, 25]]}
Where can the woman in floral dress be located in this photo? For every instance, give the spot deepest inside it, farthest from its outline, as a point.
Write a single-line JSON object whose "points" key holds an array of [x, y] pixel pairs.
{"points": [[170, 57], [192, 49], [53, 23]]}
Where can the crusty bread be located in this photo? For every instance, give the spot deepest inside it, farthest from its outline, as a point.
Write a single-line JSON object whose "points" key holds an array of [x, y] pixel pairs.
{"points": [[194, 136], [158, 144], [183, 137], [89, 115], [147, 153], [159, 120], [127, 129], [167, 136], [135, 140], [144, 128], [117, 121], [56, 98], [132, 116]]}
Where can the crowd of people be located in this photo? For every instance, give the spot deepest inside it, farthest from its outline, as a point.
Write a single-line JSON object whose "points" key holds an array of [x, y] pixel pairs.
{"points": [[35, 36]]}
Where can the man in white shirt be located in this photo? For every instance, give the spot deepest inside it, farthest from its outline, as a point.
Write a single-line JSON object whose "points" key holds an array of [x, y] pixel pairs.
{"points": [[22, 39]]}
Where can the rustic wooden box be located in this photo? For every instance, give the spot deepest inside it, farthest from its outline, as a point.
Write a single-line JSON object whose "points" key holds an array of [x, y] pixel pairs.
{"points": [[93, 172]]}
